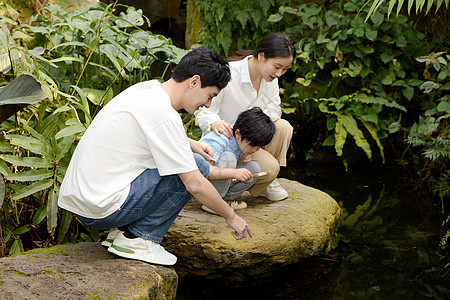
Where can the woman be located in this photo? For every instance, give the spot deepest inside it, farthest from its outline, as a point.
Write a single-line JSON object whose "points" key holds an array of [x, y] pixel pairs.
{"points": [[254, 82]]}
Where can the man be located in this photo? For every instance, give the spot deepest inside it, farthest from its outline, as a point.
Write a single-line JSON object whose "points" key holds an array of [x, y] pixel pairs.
{"points": [[134, 168]]}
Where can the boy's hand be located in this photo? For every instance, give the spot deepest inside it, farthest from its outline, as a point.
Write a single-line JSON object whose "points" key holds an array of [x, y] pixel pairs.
{"points": [[245, 158], [243, 174], [222, 127]]}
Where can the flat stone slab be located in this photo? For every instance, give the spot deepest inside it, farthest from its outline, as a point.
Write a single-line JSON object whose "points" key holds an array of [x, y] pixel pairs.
{"points": [[285, 232], [83, 271]]}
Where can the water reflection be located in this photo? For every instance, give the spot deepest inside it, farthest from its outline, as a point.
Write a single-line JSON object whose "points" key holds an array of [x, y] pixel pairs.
{"points": [[388, 248]]}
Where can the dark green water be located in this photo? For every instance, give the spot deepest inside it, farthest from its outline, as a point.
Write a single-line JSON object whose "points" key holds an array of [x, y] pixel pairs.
{"points": [[388, 249]]}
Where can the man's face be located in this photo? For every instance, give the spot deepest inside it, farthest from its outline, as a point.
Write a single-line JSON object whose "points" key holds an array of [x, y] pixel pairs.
{"points": [[199, 97]]}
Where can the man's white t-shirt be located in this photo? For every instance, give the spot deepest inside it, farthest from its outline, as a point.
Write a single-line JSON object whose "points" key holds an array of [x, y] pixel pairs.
{"points": [[135, 131]]}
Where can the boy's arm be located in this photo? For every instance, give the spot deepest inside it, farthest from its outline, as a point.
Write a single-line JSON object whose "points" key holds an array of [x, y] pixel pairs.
{"points": [[205, 193], [216, 173]]}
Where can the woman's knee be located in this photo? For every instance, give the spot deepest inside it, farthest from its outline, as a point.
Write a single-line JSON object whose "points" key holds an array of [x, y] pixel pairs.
{"points": [[284, 127]]}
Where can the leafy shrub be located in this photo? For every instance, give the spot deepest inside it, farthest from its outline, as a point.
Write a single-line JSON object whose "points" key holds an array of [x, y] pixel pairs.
{"points": [[82, 59]]}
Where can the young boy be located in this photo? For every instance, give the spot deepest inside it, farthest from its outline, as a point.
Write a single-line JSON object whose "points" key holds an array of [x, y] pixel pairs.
{"points": [[134, 169], [252, 130]]}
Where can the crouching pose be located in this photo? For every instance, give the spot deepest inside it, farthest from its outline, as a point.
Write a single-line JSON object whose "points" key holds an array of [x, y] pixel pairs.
{"points": [[134, 167]]}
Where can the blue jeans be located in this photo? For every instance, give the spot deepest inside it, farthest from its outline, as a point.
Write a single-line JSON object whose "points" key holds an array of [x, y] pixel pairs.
{"points": [[227, 188], [152, 204]]}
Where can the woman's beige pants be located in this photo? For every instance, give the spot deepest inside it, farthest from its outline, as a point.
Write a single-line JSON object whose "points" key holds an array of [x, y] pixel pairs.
{"points": [[272, 156]]}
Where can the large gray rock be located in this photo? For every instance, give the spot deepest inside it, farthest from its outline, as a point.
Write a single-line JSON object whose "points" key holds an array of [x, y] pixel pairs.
{"points": [[83, 271], [285, 232]]}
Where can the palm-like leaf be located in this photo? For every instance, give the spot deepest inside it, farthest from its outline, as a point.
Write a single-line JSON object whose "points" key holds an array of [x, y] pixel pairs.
{"points": [[20, 92]]}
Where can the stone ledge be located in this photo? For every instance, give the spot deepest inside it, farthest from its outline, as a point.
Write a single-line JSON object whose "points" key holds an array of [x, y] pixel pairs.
{"points": [[83, 271], [285, 232]]}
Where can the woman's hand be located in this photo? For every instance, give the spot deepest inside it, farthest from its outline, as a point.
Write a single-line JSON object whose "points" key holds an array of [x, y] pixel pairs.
{"points": [[222, 127], [242, 174], [201, 148]]}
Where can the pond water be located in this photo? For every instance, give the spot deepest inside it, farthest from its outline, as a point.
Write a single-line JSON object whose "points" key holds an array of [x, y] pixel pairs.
{"points": [[388, 248]]}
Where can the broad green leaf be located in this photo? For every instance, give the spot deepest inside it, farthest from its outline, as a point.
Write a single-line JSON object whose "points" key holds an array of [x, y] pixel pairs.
{"points": [[275, 18], [352, 127], [85, 237], [31, 175], [5, 147], [35, 162], [70, 131], [39, 216], [16, 247], [64, 224], [30, 143], [32, 131], [94, 95], [21, 230], [21, 91], [408, 92], [373, 132], [364, 98], [329, 141], [52, 211], [4, 169], [340, 135], [64, 146], [33, 188], [443, 106]]}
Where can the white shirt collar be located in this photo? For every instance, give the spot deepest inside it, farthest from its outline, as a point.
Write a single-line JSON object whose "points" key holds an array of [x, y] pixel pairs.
{"points": [[245, 71]]}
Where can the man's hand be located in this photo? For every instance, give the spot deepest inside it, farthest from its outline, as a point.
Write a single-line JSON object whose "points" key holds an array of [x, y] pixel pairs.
{"points": [[242, 174], [222, 127], [240, 227], [201, 148]]}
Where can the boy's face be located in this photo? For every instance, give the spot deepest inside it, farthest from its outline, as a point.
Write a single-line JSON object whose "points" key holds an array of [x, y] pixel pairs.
{"points": [[197, 96], [244, 145]]}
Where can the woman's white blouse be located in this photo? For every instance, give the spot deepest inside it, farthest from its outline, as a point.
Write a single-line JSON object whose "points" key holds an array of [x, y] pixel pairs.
{"points": [[240, 95]]}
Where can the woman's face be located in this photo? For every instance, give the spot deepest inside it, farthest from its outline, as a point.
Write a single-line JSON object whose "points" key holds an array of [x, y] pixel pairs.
{"points": [[272, 68]]}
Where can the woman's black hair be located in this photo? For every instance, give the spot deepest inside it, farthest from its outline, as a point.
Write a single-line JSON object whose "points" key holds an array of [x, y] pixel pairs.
{"points": [[273, 45], [255, 127]]}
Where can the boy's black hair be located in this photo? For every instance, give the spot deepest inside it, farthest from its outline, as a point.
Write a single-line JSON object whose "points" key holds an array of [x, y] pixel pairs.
{"points": [[255, 127], [212, 68]]}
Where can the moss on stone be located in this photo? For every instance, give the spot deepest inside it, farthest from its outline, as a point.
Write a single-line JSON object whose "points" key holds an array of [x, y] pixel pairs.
{"points": [[18, 273], [59, 249]]}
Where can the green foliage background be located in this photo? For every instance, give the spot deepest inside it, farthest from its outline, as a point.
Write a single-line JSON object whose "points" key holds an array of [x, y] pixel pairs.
{"points": [[82, 58], [376, 90]]}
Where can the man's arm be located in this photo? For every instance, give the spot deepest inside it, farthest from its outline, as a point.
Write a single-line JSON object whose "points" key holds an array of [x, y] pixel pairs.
{"points": [[201, 148], [205, 193]]}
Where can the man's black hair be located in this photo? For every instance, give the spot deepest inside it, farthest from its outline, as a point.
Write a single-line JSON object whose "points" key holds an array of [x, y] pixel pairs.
{"points": [[255, 127], [212, 68]]}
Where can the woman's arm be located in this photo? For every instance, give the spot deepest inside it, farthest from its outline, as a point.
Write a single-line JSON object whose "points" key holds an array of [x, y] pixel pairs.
{"points": [[205, 116]]}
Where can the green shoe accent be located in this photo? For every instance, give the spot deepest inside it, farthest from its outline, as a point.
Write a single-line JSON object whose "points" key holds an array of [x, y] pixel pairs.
{"points": [[121, 249]]}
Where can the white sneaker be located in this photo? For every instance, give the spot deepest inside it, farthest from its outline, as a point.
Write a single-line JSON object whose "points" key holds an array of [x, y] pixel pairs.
{"points": [[141, 249], [111, 237], [234, 204], [274, 192]]}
